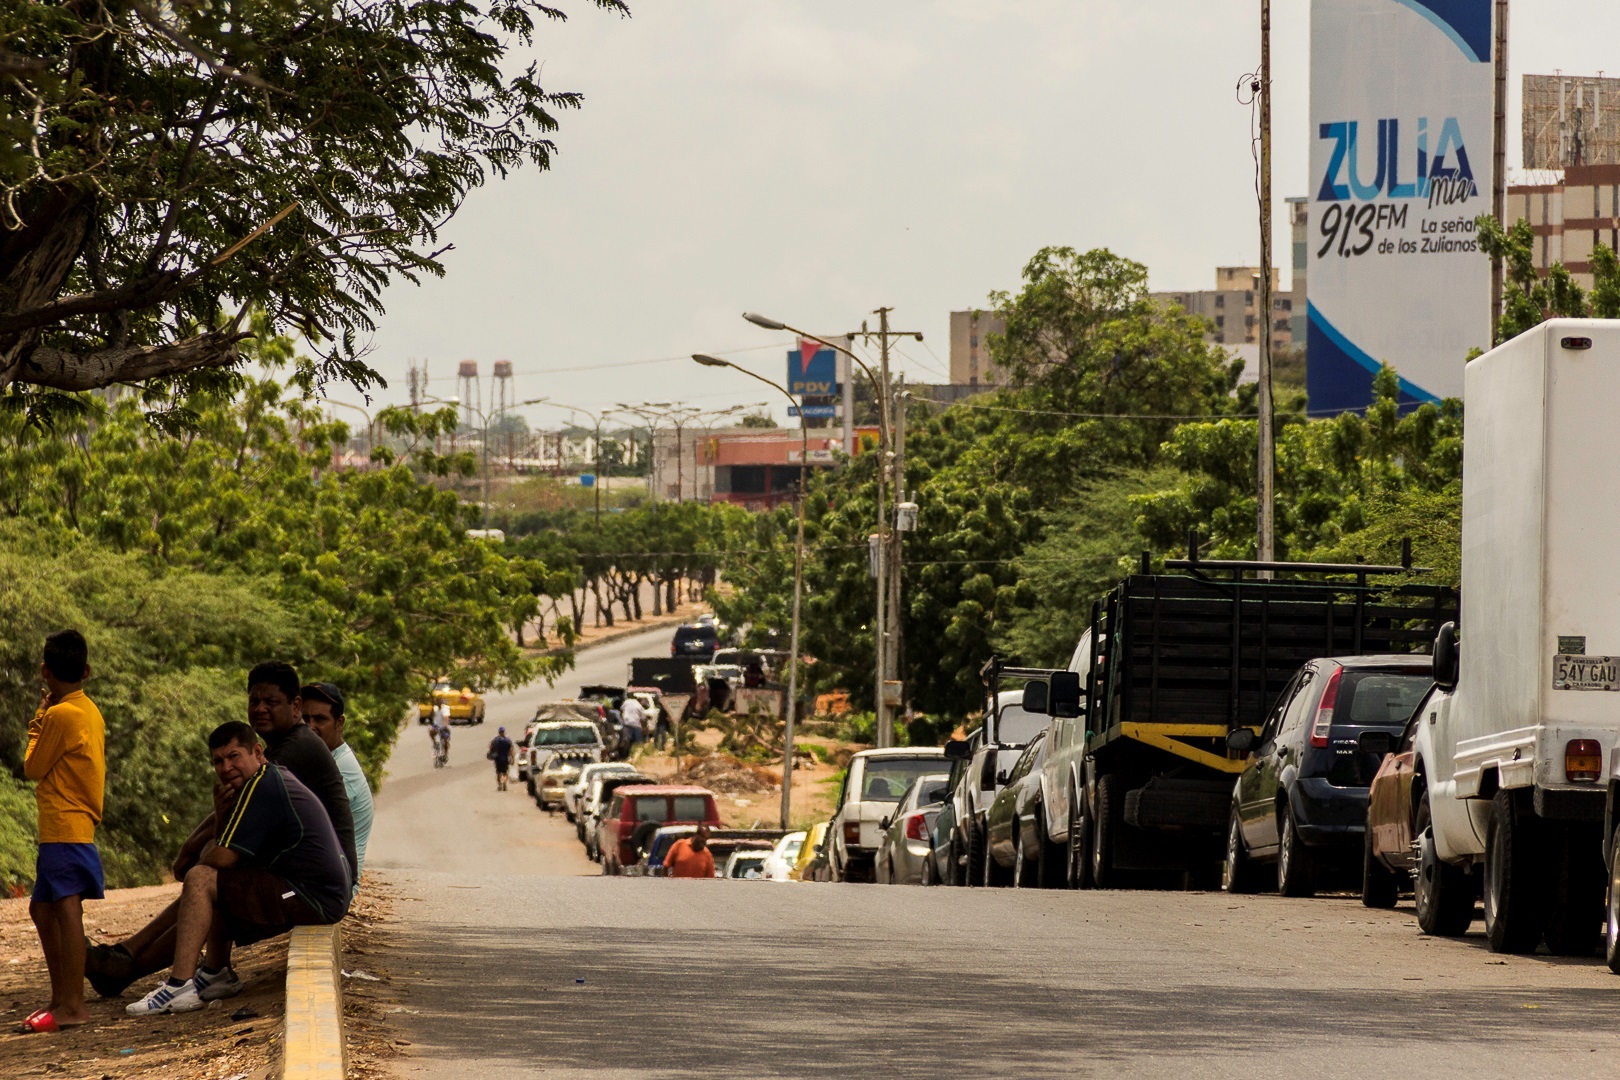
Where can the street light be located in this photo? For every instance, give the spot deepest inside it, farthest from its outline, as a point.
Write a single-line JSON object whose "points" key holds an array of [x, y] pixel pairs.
{"points": [[798, 586], [483, 420], [880, 390], [597, 418], [371, 425]]}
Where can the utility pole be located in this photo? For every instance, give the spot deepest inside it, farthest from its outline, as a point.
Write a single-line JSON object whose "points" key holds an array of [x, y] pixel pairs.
{"points": [[896, 627], [1499, 159], [888, 582], [1266, 548]]}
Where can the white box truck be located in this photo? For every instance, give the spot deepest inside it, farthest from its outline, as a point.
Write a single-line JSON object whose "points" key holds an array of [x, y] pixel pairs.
{"points": [[1511, 792]]}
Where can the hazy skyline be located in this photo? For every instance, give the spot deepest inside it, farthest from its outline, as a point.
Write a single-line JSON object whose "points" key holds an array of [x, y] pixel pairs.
{"points": [[813, 161]]}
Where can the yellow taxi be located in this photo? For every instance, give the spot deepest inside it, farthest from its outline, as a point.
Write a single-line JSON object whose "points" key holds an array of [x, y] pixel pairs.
{"points": [[808, 851], [465, 704]]}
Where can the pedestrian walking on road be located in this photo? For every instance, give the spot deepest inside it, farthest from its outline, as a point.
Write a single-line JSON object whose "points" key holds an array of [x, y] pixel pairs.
{"points": [[661, 729], [500, 752], [323, 706], [275, 863], [634, 715], [690, 856], [66, 757]]}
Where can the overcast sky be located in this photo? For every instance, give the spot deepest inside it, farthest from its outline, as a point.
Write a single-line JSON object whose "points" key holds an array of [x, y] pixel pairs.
{"points": [[814, 160]]}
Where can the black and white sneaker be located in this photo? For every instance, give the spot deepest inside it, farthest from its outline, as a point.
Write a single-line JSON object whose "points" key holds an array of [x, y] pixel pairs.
{"points": [[168, 998], [213, 985]]}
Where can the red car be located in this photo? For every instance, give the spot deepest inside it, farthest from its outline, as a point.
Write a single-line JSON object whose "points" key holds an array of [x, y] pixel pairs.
{"points": [[639, 811]]}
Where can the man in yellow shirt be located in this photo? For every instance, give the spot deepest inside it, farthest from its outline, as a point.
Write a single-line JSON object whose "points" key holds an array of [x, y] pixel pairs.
{"points": [[67, 760]]}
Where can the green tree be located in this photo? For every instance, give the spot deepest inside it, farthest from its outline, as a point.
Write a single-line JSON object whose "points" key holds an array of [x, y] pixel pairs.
{"points": [[172, 166]]}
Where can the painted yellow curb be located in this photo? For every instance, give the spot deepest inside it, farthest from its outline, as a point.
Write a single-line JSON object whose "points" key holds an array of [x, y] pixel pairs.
{"points": [[312, 1047]]}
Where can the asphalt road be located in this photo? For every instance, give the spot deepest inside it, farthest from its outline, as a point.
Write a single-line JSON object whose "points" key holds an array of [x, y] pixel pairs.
{"points": [[512, 964]]}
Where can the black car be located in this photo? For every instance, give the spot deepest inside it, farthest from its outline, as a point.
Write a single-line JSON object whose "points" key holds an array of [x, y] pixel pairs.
{"points": [[1301, 801], [695, 642]]}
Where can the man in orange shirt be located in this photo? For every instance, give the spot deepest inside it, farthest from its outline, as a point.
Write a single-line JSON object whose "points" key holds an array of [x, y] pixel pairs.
{"points": [[690, 857], [67, 759]]}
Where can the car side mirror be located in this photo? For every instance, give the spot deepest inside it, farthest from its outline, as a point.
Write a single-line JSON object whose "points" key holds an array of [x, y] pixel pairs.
{"points": [[1035, 697], [958, 750], [1242, 740], [1002, 777], [1064, 694], [1375, 742], [1445, 657], [884, 825]]}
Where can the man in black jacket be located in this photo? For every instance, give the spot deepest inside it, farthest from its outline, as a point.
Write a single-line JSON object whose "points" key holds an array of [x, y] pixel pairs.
{"points": [[275, 712]]}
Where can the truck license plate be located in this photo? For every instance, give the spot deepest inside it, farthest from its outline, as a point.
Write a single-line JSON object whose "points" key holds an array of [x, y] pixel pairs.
{"points": [[1586, 673]]}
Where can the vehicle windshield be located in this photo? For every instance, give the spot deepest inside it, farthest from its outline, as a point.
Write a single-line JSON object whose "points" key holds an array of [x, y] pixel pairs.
{"points": [[747, 867], [443, 688], [1018, 726], [1381, 698], [790, 850], [886, 779], [569, 735]]}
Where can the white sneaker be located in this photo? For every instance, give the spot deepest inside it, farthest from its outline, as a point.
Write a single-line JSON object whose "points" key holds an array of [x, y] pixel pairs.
{"points": [[211, 986], [167, 999]]}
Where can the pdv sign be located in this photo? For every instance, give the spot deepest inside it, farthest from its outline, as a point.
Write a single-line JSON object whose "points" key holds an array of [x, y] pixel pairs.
{"points": [[812, 370]]}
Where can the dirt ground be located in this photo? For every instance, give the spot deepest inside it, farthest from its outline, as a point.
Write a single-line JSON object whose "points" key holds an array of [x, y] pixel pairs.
{"points": [[750, 796], [211, 1044]]}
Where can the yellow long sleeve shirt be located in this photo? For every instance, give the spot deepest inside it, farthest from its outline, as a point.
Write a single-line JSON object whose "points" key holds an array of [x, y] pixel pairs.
{"points": [[67, 757]]}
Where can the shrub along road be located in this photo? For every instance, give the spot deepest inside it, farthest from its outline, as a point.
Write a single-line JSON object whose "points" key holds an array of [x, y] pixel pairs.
{"points": [[497, 928]]}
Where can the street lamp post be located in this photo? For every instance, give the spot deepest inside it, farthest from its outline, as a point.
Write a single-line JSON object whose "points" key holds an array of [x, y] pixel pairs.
{"points": [[371, 425], [483, 420], [798, 588], [597, 418], [880, 390]]}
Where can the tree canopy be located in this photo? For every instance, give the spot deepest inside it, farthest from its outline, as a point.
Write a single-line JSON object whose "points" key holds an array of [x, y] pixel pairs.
{"points": [[166, 168]]}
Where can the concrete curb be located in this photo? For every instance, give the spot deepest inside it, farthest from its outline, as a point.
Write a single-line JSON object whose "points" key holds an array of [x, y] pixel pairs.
{"points": [[630, 630], [312, 1042]]}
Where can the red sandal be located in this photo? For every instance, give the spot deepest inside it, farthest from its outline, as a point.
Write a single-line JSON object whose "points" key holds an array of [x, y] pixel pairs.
{"points": [[39, 1022]]}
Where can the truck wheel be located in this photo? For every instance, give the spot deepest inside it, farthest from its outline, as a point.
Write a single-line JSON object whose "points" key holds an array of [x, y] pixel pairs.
{"points": [[1575, 908], [1239, 874], [1443, 894], [1294, 870], [1515, 913], [1611, 943], [1079, 853], [1379, 889], [1104, 825], [975, 856]]}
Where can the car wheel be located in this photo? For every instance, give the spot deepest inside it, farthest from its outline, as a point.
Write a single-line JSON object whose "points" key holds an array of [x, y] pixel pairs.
{"points": [[1079, 868], [929, 875], [1239, 875], [975, 855], [1104, 825], [1611, 929], [1294, 870], [1515, 914], [1025, 871], [1442, 893], [1379, 886]]}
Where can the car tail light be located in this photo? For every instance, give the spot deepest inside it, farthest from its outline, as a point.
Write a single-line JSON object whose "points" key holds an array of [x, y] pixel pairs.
{"points": [[852, 832], [917, 827], [1583, 761], [1324, 711]]}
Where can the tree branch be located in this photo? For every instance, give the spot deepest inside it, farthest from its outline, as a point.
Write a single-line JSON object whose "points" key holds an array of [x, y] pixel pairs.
{"points": [[61, 370]]}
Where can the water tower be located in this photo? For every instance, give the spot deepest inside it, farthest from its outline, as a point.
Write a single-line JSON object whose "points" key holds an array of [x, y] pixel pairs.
{"points": [[467, 390]]}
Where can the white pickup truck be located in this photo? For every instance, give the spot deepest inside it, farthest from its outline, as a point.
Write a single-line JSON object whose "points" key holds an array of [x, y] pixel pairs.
{"points": [[1516, 744]]}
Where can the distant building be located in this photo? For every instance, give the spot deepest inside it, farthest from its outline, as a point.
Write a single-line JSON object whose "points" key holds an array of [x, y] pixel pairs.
{"points": [[1299, 213], [970, 355], [1231, 308], [1570, 211], [1570, 120], [758, 467]]}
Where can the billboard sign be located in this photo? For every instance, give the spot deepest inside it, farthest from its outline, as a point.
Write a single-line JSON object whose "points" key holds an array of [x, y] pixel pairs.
{"points": [[814, 412], [812, 370], [1401, 94]]}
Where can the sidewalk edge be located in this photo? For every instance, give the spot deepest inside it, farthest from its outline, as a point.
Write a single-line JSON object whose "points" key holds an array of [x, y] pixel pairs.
{"points": [[312, 1042]]}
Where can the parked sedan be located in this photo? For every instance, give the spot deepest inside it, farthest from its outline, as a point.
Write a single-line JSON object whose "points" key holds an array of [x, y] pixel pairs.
{"points": [[779, 867], [745, 863], [1301, 801], [574, 794], [905, 848], [1010, 857]]}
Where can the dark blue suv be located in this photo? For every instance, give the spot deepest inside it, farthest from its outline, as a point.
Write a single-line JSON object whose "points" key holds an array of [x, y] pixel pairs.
{"points": [[1301, 800]]}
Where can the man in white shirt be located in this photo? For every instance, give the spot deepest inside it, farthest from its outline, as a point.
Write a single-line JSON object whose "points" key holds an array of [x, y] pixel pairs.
{"points": [[323, 712], [634, 717]]}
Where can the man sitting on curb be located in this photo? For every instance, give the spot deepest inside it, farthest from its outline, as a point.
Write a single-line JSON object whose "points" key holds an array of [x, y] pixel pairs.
{"points": [[275, 863], [323, 712], [275, 711]]}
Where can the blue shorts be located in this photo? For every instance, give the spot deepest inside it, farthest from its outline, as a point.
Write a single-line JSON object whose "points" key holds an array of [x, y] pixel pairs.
{"points": [[65, 870]]}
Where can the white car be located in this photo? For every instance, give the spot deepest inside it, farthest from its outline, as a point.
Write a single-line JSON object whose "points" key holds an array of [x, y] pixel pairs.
{"points": [[746, 863], [574, 793], [579, 739], [779, 863], [872, 788]]}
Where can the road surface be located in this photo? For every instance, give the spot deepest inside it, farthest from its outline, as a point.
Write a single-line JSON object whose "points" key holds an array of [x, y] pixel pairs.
{"points": [[513, 964]]}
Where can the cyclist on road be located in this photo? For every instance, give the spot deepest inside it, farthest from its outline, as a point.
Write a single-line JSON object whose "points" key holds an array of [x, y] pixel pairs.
{"points": [[440, 734]]}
